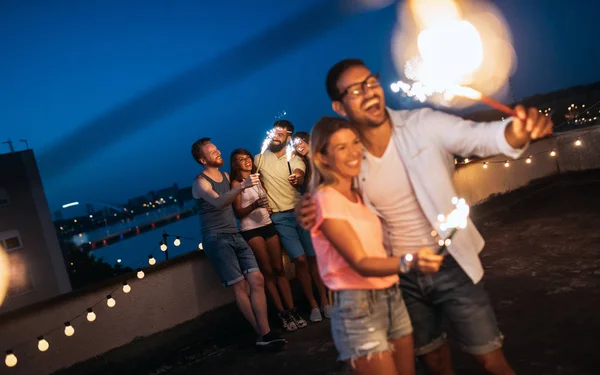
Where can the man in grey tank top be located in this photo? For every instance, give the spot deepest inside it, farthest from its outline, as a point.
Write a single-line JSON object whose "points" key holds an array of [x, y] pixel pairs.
{"points": [[230, 255]]}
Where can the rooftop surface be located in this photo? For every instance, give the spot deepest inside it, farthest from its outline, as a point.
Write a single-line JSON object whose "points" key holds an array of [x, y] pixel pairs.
{"points": [[542, 263]]}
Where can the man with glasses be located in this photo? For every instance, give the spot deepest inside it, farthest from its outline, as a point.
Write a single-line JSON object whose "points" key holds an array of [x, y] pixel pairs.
{"points": [[406, 178], [282, 192]]}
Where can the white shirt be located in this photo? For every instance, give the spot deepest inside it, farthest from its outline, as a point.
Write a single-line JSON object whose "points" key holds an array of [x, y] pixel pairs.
{"points": [[388, 188], [426, 141], [257, 218]]}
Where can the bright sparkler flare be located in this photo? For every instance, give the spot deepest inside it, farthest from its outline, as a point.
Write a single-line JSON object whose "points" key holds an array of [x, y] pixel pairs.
{"points": [[457, 218], [267, 141], [440, 49], [289, 150]]}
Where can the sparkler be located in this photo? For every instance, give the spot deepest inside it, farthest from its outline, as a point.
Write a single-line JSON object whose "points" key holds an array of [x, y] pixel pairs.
{"points": [[289, 149], [457, 219], [450, 54], [265, 145]]}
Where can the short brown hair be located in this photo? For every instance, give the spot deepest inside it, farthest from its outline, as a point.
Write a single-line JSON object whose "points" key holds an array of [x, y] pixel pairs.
{"points": [[197, 148]]}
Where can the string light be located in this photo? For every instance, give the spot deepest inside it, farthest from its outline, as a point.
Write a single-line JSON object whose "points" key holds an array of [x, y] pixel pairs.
{"points": [[11, 359], [126, 287], [177, 241], [69, 330], [485, 165], [466, 160], [163, 246], [91, 315], [553, 153], [578, 142], [140, 274], [110, 302], [200, 246], [43, 345], [151, 260], [506, 164], [528, 160]]}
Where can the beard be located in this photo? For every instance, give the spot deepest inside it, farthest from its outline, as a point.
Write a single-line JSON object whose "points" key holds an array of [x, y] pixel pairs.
{"points": [[216, 163], [276, 147]]}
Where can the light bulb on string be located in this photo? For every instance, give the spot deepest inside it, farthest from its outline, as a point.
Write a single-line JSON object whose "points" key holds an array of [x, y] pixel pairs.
{"points": [[200, 246], [91, 315], [485, 165], [528, 160], [466, 160], [578, 142], [552, 153], [151, 260], [126, 287], [110, 302], [69, 330], [177, 241], [43, 345], [140, 274], [163, 246], [11, 359], [507, 164]]}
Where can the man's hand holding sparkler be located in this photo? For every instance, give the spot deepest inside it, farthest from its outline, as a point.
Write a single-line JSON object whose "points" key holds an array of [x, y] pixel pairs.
{"points": [[424, 260], [528, 124], [253, 179], [293, 180]]}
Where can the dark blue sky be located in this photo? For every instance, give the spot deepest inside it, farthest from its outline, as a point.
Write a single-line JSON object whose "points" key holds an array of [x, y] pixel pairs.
{"points": [[68, 65]]}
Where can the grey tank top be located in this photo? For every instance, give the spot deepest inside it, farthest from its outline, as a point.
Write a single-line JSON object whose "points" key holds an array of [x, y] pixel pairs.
{"points": [[212, 219]]}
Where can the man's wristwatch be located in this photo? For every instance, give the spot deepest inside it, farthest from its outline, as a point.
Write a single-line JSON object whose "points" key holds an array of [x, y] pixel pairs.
{"points": [[405, 263]]}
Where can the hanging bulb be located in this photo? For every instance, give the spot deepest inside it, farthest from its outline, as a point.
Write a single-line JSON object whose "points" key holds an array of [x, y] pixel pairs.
{"points": [[69, 330], [11, 359], [177, 241], [91, 315], [447, 242], [163, 246], [110, 301], [528, 160], [126, 287], [441, 242], [466, 160], [506, 164], [43, 345], [140, 274], [578, 142], [200, 246], [151, 260], [485, 165], [552, 153]]}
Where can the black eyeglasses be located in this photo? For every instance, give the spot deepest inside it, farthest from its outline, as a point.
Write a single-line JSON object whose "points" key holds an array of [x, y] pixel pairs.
{"points": [[357, 89]]}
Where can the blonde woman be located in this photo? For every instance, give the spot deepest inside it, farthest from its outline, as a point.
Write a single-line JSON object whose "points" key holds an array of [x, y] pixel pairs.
{"points": [[369, 321]]}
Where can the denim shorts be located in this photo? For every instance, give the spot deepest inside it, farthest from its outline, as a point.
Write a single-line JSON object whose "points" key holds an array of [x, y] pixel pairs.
{"points": [[364, 321], [230, 255], [295, 240], [447, 302]]}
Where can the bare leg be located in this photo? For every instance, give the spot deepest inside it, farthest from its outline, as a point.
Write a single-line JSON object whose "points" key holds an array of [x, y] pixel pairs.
{"points": [[302, 273], [439, 361], [259, 301], [243, 302], [374, 364], [274, 249], [259, 247], [316, 276], [404, 355], [494, 363]]}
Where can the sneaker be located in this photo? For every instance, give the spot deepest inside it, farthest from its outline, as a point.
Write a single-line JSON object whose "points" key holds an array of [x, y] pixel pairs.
{"points": [[287, 321], [271, 339], [300, 322], [315, 315], [327, 311]]}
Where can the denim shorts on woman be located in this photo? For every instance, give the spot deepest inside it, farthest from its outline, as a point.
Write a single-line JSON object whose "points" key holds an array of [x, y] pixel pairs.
{"points": [[364, 321]]}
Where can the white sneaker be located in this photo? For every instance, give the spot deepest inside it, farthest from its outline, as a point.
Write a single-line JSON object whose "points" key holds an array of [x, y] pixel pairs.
{"points": [[315, 315], [327, 311]]}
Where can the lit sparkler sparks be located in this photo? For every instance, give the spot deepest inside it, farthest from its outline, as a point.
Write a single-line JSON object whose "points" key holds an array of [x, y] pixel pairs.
{"points": [[289, 149], [265, 146], [450, 55], [457, 219]]}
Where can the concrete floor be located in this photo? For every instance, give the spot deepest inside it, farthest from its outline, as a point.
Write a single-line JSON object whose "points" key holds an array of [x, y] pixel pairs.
{"points": [[542, 263]]}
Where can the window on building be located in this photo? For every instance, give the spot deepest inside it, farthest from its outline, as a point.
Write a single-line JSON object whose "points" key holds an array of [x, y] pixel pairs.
{"points": [[4, 198], [10, 240], [21, 281]]}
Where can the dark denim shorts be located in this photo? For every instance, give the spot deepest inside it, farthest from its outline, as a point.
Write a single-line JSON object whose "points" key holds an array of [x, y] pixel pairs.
{"points": [[295, 240], [230, 255], [447, 302], [364, 321]]}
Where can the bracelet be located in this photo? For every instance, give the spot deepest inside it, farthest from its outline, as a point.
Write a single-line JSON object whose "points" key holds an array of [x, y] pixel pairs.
{"points": [[405, 263]]}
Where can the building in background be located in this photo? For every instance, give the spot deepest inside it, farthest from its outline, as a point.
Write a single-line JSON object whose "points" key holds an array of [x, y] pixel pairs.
{"points": [[36, 262]]}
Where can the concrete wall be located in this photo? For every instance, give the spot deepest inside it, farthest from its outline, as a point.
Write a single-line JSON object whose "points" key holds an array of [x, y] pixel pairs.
{"points": [[183, 288], [476, 184]]}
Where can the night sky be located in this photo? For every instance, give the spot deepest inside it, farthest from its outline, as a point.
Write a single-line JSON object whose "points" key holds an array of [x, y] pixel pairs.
{"points": [[112, 94]]}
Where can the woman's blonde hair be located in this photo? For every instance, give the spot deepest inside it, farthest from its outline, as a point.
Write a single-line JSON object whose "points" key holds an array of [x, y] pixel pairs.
{"points": [[320, 134]]}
